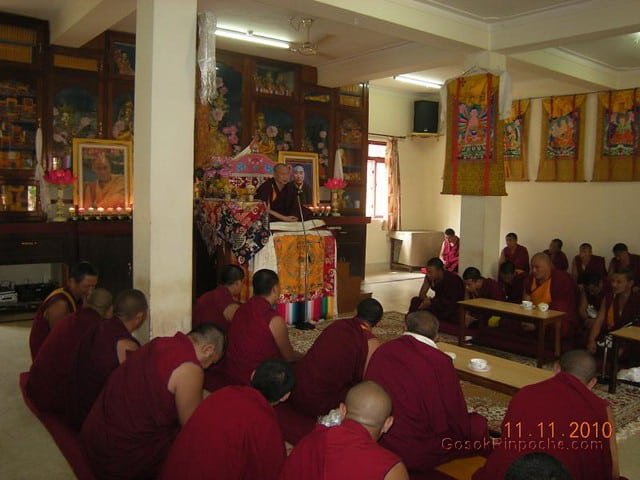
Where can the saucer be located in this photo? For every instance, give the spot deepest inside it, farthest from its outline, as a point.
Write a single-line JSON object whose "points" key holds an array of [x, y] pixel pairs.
{"points": [[451, 354], [481, 370]]}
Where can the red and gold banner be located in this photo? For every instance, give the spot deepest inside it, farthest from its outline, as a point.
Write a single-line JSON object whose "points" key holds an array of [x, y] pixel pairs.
{"points": [[513, 145], [618, 137], [561, 151], [472, 164]]}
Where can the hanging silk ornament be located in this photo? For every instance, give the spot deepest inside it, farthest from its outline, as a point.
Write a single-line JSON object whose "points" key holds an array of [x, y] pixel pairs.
{"points": [[207, 56], [45, 197]]}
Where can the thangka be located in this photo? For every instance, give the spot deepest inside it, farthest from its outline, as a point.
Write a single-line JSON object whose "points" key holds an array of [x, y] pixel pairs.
{"points": [[561, 154], [472, 165], [618, 137], [513, 144]]}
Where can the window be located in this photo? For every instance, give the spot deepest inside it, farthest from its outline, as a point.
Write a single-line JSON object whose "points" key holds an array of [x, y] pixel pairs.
{"points": [[377, 181]]}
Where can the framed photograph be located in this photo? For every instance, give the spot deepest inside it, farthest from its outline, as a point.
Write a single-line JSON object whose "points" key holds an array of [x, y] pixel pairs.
{"points": [[123, 58], [304, 174], [103, 169]]}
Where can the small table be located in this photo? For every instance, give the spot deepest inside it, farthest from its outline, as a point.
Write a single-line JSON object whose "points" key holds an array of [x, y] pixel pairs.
{"points": [[542, 319], [504, 376], [624, 334]]}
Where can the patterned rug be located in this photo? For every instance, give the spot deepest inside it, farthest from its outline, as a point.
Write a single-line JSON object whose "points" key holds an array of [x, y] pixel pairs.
{"points": [[493, 405]]}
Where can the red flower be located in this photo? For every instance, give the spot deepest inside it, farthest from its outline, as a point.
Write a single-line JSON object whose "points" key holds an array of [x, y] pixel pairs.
{"points": [[59, 177], [335, 184]]}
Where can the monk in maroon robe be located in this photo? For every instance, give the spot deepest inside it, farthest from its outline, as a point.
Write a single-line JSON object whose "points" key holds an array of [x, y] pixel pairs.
{"points": [[136, 417], [515, 253], [429, 408], [538, 465], [349, 451], [557, 256], [234, 433], [448, 289], [102, 349], [623, 259], [550, 416], [83, 277], [587, 263], [478, 286], [256, 334], [219, 305], [450, 250], [511, 283], [280, 195], [51, 369]]}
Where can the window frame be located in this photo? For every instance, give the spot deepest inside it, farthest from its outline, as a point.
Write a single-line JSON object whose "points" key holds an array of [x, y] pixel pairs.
{"points": [[377, 160]]}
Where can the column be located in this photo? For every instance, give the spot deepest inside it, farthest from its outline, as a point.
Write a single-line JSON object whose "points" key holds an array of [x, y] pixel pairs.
{"points": [[163, 162]]}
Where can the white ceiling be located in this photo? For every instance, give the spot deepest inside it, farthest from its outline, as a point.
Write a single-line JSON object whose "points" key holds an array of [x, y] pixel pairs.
{"points": [[621, 52]]}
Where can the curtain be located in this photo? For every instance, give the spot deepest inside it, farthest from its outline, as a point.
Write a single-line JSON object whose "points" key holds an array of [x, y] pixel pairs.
{"points": [[392, 162], [512, 146]]}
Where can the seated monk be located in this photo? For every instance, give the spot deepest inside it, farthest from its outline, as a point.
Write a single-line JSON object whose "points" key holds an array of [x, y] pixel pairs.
{"points": [[132, 424], [512, 283], [477, 286], [234, 433], [623, 259], [587, 262], [621, 307], [256, 334], [557, 256], [428, 404], [280, 195], [449, 290], [102, 349], [51, 369], [538, 466], [83, 277], [450, 250], [548, 413], [219, 305], [349, 450], [515, 253], [592, 290]]}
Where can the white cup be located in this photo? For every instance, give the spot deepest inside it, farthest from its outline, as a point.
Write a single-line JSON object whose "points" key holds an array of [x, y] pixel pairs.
{"points": [[478, 363], [528, 304], [543, 307]]}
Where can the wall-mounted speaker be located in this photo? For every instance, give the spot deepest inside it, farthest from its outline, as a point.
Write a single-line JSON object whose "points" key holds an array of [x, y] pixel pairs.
{"points": [[425, 116]]}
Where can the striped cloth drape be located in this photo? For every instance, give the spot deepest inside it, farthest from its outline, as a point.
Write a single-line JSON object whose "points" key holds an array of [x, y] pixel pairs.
{"points": [[392, 162]]}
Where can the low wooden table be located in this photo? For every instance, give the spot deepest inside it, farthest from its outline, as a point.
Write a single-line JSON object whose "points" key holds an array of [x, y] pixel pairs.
{"points": [[541, 319], [630, 334], [504, 376]]}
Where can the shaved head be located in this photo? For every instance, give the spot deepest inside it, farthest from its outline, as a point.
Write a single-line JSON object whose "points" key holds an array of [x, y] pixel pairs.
{"points": [[368, 404], [129, 303], [580, 364], [541, 266], [423, 323], [209, 334], [281, 167], [100, 300]]}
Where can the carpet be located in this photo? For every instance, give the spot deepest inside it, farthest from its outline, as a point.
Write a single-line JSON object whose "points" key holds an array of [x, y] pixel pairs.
{"points": [[493, 405]]}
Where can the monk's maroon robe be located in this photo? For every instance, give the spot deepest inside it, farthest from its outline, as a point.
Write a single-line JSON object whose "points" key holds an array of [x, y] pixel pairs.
{"points": [[40, 327], [513, 291], [233, 434], [449, 291], [548, 417], [559, 260], [343, 452], [519, 257], [451, 254], [284, 201], [95, 359], [51, 369], [630, 311], [634, 265], [563, 299], [490, 290], [429, 408], [134, 420], [210, 308], [595, 266]]}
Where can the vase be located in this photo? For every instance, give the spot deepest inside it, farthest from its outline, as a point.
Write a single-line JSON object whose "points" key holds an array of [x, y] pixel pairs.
{"points": [[335, 202], [60, 215]]}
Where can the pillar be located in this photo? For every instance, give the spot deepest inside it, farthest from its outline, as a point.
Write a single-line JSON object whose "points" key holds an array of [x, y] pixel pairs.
{"points": [[163, 162]]}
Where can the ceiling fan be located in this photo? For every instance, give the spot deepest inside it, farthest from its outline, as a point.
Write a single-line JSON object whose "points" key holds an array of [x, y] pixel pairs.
{"points": [[307, 47]]}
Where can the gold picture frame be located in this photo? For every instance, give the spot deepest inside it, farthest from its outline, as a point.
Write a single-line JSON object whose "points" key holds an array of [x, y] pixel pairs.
{"points": [[309, 163], [110, 159]]}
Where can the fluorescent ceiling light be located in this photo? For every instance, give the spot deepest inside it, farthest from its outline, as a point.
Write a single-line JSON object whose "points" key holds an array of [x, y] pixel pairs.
{"points": [[417, 81], [251, 37]]}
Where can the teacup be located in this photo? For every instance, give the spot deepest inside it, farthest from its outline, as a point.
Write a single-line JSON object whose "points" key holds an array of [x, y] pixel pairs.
{"points": [[528, 304], [478, 363], [543, 307]]}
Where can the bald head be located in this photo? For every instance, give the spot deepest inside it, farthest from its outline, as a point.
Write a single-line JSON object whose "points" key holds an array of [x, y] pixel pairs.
{"points": [[129, 304], [101, 301], [423, 323], [541, 266], [580, 364], [209, 334], [368, 404]]}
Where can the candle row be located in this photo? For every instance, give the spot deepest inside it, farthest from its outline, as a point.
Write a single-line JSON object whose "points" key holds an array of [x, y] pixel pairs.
{"points": [[100, 212], [320, 210]]}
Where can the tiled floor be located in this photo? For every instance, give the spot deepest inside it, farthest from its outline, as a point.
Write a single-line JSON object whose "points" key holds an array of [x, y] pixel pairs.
{"points": [[28, 453]]}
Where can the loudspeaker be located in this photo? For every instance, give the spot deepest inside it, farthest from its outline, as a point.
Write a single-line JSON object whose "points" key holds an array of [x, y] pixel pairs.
{"points": [[425, 116]]}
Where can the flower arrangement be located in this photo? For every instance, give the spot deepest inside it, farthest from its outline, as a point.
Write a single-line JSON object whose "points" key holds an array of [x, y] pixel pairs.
{"points": [[59, 177], [335, 184]]}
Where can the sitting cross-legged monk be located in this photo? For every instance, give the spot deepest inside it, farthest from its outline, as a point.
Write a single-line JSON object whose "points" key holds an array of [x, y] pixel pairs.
{"points": [[537, 466], [557, 256], [219, 305], [479, 287], [51, 369], [587, 263], [593, 289], [257, 333], [548, 416], [515, 253], [428, 404], [280, 195], [234, 433], [349, 451], [102, 349], [83, 278], [448, 289], [450, 250], [134, 420], [512, 283], [623, 259]]}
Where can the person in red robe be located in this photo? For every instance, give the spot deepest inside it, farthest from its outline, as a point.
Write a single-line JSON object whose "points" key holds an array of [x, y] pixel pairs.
{"points": [[219, 305], [550, 416], [234, 433], [587, 263], [349, 451], [538, 466], [623, 259], [592, 290], [51, 369], [478, 286], [83, 278], [102, 349], [450, 250], [280, 195], [256, 334], [558, 258], [511, 283], [429, 408], [440, 293], [515, 253], [134, 420]]}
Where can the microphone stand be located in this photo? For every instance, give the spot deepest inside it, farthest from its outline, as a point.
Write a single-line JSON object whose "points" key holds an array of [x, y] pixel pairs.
{"points": [[304, 325]]}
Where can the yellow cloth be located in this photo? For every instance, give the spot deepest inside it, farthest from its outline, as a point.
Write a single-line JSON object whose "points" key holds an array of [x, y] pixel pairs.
{"points": [[110, 195], [541, 293], [72, 301], [462, 468], [290, 252]]}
